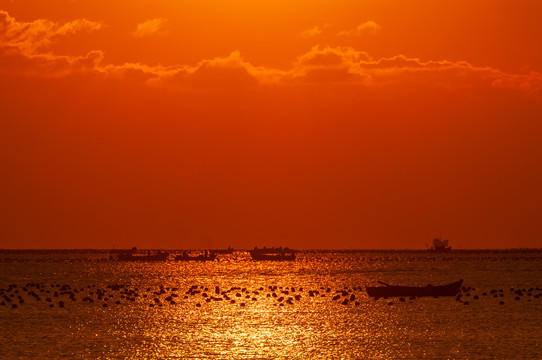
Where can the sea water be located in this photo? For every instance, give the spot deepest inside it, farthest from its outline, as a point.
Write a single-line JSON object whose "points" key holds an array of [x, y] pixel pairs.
{"points": [[236, 308]]}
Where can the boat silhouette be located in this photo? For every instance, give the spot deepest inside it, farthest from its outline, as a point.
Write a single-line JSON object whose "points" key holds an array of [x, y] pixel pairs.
{"points": [[272, 254], [418, 291], [206, 256], [134, 256]]}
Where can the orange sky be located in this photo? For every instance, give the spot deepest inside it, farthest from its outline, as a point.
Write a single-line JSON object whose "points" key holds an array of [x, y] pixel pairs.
{"points": [[328, 124]]}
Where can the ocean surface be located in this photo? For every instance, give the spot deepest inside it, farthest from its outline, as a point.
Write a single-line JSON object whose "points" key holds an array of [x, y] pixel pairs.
{"points": [[83, 306]]}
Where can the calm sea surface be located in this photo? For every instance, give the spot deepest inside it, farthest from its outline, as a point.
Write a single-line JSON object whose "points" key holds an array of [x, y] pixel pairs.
{"points": [[237, 308]]}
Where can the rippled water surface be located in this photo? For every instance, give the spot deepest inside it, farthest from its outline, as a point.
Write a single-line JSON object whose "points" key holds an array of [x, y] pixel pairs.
{"points": [[236, 308]]}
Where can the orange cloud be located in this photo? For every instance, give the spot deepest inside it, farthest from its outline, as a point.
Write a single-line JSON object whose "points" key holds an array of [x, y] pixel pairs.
{"points": [[370, 27], [221, 72], [24, 50], [15, 62], [38, 35], [327, 56], [337, 65], [310, 32], [531, 82], [327, 65], [349, 64], [24, 47], [152, 27]]}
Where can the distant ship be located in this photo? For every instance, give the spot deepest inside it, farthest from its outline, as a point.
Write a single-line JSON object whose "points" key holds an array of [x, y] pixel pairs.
{"points": [[272, 254], [440, 246], [229, 250], [271, 250], [134, 256]]}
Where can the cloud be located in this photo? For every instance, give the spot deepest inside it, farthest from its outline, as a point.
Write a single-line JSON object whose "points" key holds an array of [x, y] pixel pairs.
{"points": [[346, 64], [25, 47], [14, 62], [77, 26], [328, 56], [152, 27], [530, 83], [328, 65], [138, 73], [310, 32], [25, 50], [37, 36], [231, 72], [445, 73], [368, 27]]}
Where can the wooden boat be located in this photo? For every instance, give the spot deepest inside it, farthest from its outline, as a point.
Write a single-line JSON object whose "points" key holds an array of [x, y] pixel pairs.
{"points": [[131, 256], [203, 257], [272, 256], [418, 291]]}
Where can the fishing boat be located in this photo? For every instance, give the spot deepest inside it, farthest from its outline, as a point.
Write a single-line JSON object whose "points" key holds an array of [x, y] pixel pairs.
{"points": [[272, 254], [206, 256], [132, 256], [418, 291]]}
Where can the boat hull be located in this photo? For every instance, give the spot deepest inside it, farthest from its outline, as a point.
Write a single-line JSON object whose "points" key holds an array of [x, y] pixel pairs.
{"points": [[143, 258], [272, 257], [429, 290]]}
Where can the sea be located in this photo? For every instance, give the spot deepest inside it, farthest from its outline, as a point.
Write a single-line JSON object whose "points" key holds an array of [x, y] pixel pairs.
{"points": [[82, 305]]}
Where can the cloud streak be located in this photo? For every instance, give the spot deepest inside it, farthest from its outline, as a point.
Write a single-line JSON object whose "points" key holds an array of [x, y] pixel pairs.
{"points": [[359, 67], [152, 27], [13, 62], [310, 33], [368, 27]]}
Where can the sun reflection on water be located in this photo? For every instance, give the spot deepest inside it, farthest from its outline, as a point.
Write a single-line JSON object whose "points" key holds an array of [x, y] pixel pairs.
{"points": [[261, 315], [295, 310]]}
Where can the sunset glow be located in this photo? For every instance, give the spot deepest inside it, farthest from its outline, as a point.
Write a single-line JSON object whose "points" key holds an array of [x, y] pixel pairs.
{"points": [[332, 124]]}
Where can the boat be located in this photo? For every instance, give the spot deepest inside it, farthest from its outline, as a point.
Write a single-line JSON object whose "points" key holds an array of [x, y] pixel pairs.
{"points": [[206, 256], [229, 250], [132, 256], [418, 291], [272, 254], [272, 250], [440, 246]]}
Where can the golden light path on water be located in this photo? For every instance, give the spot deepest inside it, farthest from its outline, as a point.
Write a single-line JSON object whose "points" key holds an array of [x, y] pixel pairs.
{"points": [[255, 320], [235, 308]]}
